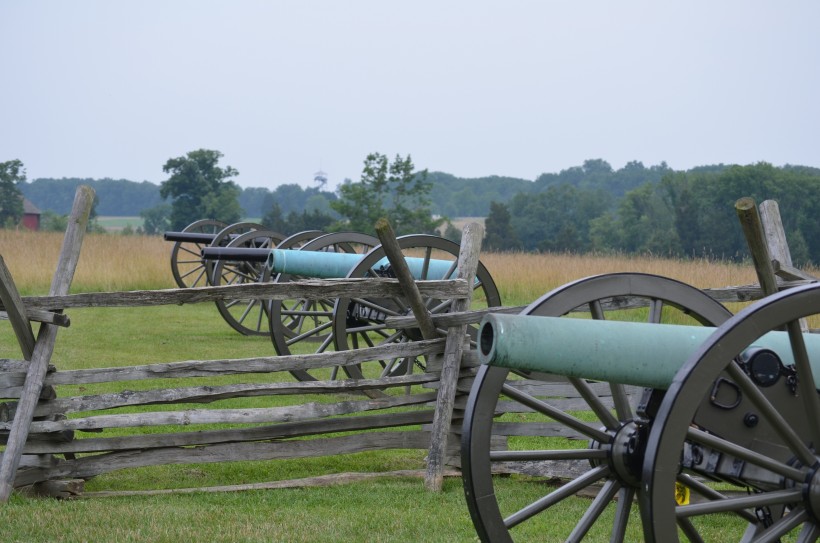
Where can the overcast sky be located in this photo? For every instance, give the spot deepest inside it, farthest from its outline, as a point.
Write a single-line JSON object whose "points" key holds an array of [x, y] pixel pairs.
{"points": [[473, 88]]}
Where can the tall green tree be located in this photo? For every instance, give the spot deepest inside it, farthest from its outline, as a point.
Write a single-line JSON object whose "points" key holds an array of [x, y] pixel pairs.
{"points": [[499, 234], [12, 174], [558, 219], [200, 189], [387, 189], [156, 220]]}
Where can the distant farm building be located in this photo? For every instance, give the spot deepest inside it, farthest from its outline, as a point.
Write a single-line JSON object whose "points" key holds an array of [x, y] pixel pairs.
{"points": [[31, 215]]}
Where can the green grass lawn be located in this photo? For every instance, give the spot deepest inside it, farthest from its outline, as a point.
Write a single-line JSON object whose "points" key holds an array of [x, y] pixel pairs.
{"points": [[392, 508]]}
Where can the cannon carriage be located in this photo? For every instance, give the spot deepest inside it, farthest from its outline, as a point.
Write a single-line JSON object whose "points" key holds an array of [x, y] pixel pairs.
{"points": [[301, 326], [690, 424], [190, 269]]}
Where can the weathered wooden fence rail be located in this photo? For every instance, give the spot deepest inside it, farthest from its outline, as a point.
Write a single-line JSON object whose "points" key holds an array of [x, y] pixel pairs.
{"points": [[283, 428]]}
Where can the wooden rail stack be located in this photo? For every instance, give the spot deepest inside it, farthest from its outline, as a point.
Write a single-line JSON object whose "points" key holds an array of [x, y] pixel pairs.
{"points": [[42, 431]]}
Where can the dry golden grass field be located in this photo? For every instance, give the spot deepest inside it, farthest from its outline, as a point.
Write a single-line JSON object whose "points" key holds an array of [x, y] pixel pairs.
{"points": [[111, 262]]}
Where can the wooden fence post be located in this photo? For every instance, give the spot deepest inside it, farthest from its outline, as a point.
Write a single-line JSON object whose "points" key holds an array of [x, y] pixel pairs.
{"points": [[44, 345], [16, 311], [456, 335], [408, 284], [756, 239]]}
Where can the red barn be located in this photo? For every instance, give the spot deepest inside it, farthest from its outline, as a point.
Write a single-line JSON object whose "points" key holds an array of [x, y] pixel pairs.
{"points": [[31, 216]]}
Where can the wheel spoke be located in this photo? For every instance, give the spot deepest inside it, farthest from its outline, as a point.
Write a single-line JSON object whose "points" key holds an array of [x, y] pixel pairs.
{"points": [[622, 509], [591, 477], [809, 533], [784, 525], [744, 502], [712, 494], [197, 253], [593, 512], [594, 402], [811, 400], [655, 311], [555, 413], [689, 530], [309, 333], [550, 454]]}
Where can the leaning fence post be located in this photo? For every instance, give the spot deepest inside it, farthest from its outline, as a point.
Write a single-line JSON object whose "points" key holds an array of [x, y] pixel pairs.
{"points": [[445, 400], [756, 239], [44, 346], [408, 285]]}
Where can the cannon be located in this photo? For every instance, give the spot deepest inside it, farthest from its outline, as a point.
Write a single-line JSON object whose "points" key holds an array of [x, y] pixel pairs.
{"points": [[702, 424], [248, 317], [187, 266], [301, 326], [242, 262]]}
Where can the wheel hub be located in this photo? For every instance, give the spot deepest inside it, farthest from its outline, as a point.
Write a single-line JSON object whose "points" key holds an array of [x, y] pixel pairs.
{"points": [[627, 452], [811, 491]]}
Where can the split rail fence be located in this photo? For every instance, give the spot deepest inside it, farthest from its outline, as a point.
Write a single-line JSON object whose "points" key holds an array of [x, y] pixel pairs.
{"points": [[416, 411]]}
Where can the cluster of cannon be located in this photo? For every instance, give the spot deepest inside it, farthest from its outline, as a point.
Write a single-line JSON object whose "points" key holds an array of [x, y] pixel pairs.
{"points": [[210, 253], [676, 418], [689, 422]]}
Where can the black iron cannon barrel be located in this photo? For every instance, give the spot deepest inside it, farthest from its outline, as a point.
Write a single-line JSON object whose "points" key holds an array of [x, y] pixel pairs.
{"points": [[235, 254], [189, 237]]}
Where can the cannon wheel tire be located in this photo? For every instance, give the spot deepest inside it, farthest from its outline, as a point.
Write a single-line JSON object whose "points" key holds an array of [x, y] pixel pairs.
{"points": [[790, 509], [297, 240], [248, 316], [187, 266], [585, 421], [358, 331], [300, 325]]}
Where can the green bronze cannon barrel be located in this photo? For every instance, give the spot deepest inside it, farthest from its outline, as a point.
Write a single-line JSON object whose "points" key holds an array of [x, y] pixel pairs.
{"points": [[330, 265], [631, 353]]}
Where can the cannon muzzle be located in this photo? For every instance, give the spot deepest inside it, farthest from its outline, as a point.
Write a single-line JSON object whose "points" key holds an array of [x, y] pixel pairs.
{"points": [[631, 353]]}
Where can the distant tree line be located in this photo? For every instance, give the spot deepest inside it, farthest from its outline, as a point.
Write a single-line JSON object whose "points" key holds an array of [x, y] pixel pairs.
{"points": [[683, 214], [449, 196], [591, 207]]}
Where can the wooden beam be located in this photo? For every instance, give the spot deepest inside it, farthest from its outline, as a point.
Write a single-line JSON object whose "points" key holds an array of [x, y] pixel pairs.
{"points": [[391, 249], [311, 289], [38, 315], [756, 240], [456, 336], [46, 338], [15, 311]]}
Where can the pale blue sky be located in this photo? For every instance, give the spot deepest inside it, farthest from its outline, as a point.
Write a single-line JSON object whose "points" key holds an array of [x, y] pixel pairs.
{"points": [[473, 88]]}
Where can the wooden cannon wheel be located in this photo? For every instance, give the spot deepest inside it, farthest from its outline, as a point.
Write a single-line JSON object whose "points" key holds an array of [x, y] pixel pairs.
{"points": [[187, 266], [569, 429], [772, 436], [359, 322], [302, 326], [297, 240], [247, 316]]}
